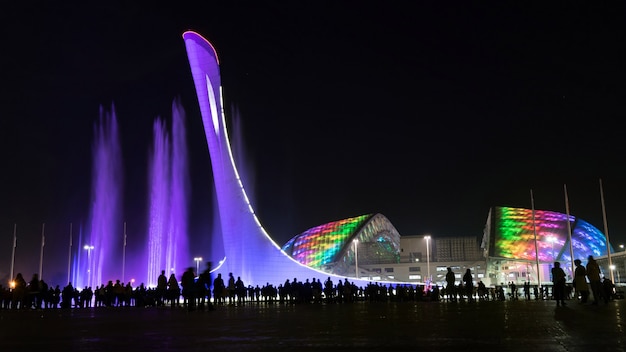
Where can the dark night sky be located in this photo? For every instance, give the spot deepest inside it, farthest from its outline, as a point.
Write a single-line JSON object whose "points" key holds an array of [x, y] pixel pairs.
{"points": [[428, 114]]}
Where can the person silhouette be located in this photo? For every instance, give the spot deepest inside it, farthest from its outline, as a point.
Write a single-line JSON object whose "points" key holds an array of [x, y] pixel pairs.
{"points": [[450, 280], [218, 290], [580, 281], [188, 284], [608, 287], [173, 291], [468, 280], [161, 289], [558, 282], [593, 274]]}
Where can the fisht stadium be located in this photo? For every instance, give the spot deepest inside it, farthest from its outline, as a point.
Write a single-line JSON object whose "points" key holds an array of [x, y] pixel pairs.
{"points": [[333, 247], [522, 245]]}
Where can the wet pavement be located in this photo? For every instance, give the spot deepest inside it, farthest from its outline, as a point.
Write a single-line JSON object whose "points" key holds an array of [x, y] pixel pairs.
{"points": [[409, 326]]}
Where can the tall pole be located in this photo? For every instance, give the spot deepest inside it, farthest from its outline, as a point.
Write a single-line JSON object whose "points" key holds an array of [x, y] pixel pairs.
{"points": [[69, 257], [427, 237], [124, 255], [532, 204], [88, 248], [356, 258], [606, 231], [197, 260], [43, 242], [569, 230], [13, 254]]}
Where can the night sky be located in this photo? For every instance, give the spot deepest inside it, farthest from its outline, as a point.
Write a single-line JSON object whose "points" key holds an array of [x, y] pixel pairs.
{"points": [[428, 114]]}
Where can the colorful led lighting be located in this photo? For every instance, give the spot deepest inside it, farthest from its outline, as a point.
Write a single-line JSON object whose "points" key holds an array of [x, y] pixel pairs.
{"points": [[514, 236]]}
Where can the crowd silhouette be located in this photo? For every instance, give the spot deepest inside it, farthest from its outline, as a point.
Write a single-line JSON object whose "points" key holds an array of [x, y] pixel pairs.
{"points": [[200, 291]]}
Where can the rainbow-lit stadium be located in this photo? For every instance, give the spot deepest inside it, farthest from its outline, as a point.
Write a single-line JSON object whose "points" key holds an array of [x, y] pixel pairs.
{"points": [[331, 247], [522, 244]]}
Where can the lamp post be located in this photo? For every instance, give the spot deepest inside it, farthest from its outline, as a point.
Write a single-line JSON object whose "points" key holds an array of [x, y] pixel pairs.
{"points": [[427, 238], [197, 260], [13, 255], [43, 243], [612, 267], [621, 247], [356, 258], [124, 255], [88, 248]]}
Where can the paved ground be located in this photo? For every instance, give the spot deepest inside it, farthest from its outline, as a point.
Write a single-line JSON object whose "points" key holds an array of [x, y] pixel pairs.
{"points": [[426, 326]]}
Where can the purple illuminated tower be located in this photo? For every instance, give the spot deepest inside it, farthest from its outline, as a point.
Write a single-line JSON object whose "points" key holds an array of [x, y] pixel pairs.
{"points": [[241, 245], [245, 247]]}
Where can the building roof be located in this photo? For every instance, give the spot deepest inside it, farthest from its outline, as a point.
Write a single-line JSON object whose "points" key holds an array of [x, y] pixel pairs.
{"points": [[331, 246], [510, 233]]}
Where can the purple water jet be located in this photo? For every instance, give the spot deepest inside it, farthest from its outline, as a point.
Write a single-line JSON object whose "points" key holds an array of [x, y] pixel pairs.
{"points": [[169, 180], [178, 250], [102, 243]]}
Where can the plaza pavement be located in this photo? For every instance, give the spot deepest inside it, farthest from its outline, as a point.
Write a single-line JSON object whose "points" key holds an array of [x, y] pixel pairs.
{"points": [[410, 326]]}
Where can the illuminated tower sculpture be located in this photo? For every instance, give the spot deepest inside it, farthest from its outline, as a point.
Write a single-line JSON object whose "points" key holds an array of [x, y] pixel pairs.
{"points": [[246, 248]]}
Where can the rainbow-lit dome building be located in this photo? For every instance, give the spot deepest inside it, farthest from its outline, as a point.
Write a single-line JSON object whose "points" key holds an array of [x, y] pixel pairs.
{"points": [[331, 247], [521, 244]]}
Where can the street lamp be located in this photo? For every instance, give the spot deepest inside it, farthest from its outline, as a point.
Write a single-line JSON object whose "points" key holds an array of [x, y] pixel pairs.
{"points": [[356, 257], [88, 248], [427, 238], [197, 260], [612, 267], [621, 247]]}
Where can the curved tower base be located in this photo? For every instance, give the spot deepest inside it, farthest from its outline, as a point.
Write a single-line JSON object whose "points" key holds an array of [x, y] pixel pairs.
{"points": [[248, 250]]}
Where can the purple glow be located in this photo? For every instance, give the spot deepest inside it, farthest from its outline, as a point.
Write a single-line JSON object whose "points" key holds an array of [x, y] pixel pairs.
{"points": [[99, 251], [159, 193], [178, 249], [167, 238], [248, 250], [103, 242]]}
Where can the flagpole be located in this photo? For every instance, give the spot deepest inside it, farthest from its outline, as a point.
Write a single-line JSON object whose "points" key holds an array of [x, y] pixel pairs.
{"points": [[532, 204], [124, 255], [43, 242], [606, 232], [13, 254], [569, 230], [69, 256]]}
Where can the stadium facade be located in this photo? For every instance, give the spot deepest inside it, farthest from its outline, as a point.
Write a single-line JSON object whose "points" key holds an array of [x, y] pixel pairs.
{"points": [[522, 244]]}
